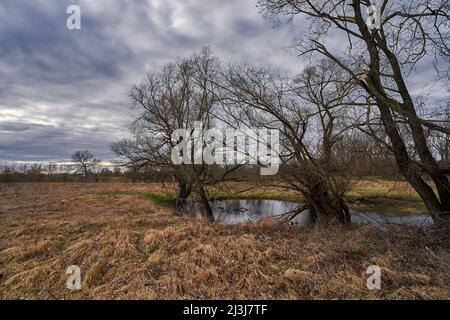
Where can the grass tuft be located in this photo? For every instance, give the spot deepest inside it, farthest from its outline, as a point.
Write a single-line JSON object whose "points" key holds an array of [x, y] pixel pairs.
{"points": [[163, 199]]}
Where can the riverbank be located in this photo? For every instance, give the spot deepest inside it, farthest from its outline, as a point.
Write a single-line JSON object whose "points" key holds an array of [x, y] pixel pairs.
{"points": [[128, 247], [367, 195]]}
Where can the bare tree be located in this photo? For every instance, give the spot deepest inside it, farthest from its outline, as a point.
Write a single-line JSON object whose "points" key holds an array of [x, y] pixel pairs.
{"points": [[307, 111], [379, 61], [181, 94], [52, 168], [84, 162]]}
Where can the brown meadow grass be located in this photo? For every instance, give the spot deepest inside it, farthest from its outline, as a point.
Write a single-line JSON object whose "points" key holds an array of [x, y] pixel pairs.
{"points": [[131, 248]]}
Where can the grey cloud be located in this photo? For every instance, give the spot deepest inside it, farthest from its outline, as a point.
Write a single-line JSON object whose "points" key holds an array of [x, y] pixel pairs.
{"points": [[64, 90], [13, 127]]}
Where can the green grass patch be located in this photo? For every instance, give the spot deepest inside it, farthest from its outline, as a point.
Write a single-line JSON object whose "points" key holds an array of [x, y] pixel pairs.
{"points": [[163, 199]]}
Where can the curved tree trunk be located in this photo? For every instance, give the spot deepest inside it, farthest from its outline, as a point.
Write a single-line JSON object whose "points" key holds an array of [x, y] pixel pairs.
{"points": [[205, 203], [184, 191], [437, 204], [327, 206], [430, 165], [405, 164]]}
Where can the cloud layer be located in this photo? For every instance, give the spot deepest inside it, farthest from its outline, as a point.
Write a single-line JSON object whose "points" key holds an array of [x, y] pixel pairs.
{"points": [[63, 90]]}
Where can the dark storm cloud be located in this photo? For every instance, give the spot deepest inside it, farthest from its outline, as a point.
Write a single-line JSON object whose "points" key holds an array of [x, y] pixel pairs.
{"points": [[34, 39], [63, 90], [52, 81], [14, 127], [38, 141], [247, 28]]}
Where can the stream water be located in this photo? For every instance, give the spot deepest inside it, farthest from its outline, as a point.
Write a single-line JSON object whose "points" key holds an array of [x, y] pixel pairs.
{"points": [[250, 211]]}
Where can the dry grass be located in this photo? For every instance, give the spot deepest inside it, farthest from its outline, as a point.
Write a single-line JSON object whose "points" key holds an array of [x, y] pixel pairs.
{"points": [[385, 195], [131, 248]]}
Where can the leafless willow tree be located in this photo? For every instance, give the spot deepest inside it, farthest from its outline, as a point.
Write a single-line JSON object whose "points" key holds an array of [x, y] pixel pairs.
{"points": [[309, 113], [380, 61], [182, 93], [84, 162]]}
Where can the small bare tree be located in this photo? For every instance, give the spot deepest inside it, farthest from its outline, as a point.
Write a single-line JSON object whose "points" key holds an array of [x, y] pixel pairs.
{"points": [[84, 162]]}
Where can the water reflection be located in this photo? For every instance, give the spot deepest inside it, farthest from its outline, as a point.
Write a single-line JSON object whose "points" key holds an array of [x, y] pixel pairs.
{"points": [[250, 211]]}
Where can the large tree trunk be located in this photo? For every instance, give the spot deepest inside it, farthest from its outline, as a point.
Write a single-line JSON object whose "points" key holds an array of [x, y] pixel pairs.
{"points": [[327, 206], [430, 165], [184, 192], [405, 164], [437, 204], [205, 203], [439, 207]]}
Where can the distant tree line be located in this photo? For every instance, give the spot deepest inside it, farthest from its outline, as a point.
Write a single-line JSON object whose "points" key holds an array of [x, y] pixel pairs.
{"points": [[52, 172], [84, 167], [365, 157]]}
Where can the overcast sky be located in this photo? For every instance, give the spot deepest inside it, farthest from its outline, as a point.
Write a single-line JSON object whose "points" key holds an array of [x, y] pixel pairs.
{"points": [[64, 90]]}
